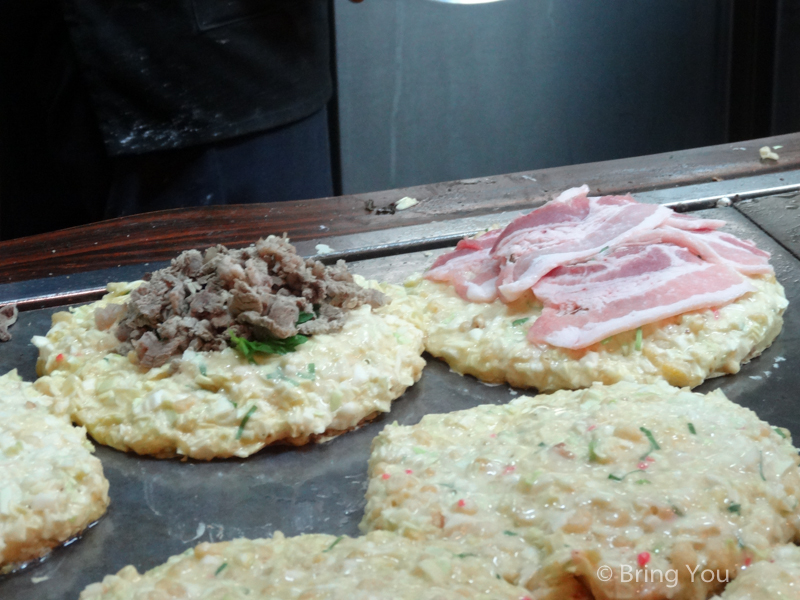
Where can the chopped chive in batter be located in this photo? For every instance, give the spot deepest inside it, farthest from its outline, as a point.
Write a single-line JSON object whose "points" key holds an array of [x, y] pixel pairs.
{"points": [[692, 430], [310, 373], [653, 443], [464, 555], [279, 375], [638, 345], [203, 370], [336, 541], [519, 322], [449, 319], [616, 478], [607, 340], [221, 569], [779, 432], [507, 532], [592, 454], [735, 508], [643, 481], [245, 419]]}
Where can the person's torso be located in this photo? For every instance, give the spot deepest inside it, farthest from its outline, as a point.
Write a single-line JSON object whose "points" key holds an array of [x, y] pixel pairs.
{"points": [[174, 73]]}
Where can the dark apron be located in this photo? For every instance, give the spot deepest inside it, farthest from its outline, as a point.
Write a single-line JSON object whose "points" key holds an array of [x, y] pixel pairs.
{"points": [[166, 74]]}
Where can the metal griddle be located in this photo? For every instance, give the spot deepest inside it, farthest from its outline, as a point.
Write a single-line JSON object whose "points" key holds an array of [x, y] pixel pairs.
{"points": [[163, 507]]}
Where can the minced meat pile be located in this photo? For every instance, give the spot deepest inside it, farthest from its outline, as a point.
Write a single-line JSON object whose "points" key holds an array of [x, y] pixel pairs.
{"points": [[257, 293]]}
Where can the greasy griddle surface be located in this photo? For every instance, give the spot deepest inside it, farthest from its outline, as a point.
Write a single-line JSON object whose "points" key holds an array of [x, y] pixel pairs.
{"points": [[163, 507]]}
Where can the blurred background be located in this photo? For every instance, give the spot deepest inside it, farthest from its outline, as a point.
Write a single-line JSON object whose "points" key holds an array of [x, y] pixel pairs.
{"points": [[433, 92], [428, 92]]}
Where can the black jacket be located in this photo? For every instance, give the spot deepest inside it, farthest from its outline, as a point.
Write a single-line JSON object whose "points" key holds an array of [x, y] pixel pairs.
{"points": [[174, 73]]}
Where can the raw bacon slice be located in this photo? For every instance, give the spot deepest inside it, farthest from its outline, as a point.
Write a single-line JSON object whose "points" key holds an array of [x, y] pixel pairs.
{"points": [[680, 221], [470, 268], [535, 245], [576, 228], [482, 242], [546, 221], [625, 289], [742, 255], [571, 193], [481, 285], [712, 246]]}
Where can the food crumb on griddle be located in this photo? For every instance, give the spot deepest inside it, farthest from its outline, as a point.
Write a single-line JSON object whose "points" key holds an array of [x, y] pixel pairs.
{"points": [[8, 316]]}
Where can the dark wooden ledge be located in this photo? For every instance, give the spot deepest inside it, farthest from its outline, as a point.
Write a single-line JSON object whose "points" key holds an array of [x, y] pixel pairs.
{"points": [[161, 235]]}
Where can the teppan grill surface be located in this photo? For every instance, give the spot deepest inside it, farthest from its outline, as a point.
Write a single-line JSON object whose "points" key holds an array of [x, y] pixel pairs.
{"points": [[163, 507]]}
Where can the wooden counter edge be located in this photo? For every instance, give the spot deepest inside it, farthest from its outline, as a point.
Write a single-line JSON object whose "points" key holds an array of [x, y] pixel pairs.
{"points": [[161, 235]]}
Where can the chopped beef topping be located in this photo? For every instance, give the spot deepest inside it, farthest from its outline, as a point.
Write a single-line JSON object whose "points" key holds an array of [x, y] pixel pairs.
{"points": [[257, 293], [8, 316]]}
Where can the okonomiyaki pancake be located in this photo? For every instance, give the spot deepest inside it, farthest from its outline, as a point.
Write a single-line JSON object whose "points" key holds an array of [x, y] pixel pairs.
{"points": [[625, 476], [215, 356], [51, 486], [600, 289], [777, 577], [379, 566]]}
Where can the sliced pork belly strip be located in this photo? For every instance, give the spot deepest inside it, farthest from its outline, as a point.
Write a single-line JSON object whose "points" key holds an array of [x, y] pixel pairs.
{"points": [[681, 221], [575, 228], [481, 286], [462, 261], [743, 255], [625, 289], [612, 221], [712, 246], [474, 275], [545, 225], [572, 193], [470, 268], [466, 247]]}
